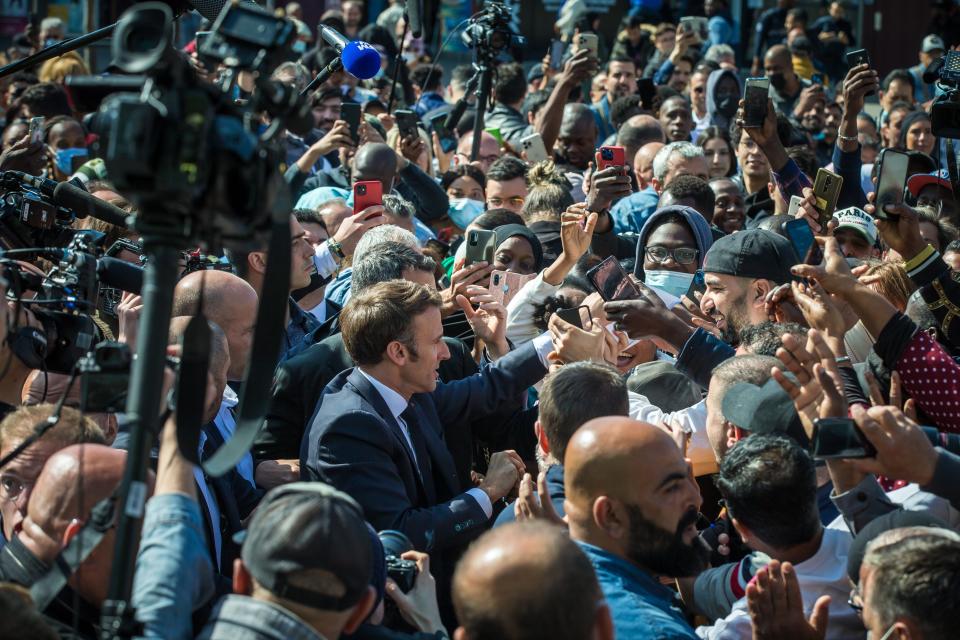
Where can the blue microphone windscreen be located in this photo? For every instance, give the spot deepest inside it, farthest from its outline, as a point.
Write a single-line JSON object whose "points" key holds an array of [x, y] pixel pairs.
{"points": [[361, 59]]}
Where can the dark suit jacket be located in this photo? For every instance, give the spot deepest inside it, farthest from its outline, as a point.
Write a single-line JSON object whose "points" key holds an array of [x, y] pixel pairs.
{"points": [[236, 498], [301, 380], [355, 444]]}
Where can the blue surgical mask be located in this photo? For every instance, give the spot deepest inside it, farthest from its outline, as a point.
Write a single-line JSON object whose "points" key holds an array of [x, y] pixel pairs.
{"points": [[51, 41], [299, 46], [675, 283], [463, 211], [64, 159]]}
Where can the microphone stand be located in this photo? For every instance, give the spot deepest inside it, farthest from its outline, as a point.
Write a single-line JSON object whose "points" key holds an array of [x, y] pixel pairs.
{"points": [[485, 71], [397, 62], [56, 50], [335, 65]]}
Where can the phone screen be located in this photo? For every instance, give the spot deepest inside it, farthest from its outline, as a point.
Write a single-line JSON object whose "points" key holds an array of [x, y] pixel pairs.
{"points": [[578, 316], [755, 101], [557, 48], [612, 282], [891, 179], [801, 237], [350, 113], [648, 91], [447, 140], [840, 438]]}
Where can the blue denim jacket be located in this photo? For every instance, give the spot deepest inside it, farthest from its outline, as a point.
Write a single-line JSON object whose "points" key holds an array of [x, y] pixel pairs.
{"points": [[174, 574], [640, 606]]}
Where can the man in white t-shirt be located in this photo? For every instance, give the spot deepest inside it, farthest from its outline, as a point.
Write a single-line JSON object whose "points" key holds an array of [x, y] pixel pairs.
{"points": [[770, 488]]}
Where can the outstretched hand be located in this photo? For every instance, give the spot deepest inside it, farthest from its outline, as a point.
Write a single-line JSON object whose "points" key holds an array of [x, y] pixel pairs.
{"points": [[776, 606]]}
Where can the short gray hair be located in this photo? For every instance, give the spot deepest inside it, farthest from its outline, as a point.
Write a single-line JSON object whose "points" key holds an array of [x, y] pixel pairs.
{"points": [[388, 262], [719, 52], [381, 234], [398, 206], [661, 161], [52, 22]]}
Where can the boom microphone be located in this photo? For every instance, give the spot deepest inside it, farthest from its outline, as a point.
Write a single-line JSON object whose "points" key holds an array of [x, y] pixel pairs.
{"points": [[75, 198], [414, 17], [119, 274], [360, 59]]}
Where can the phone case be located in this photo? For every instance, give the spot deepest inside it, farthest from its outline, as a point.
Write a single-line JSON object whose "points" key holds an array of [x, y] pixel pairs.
{"points": [[367, 194], [504, 285], [755, 102], [612, 157], [575, 315], [589, 42], [612, 282], [536, 151], [891, 179], [350, 113], [826, 189], [839, 438], [406, 122], [479, 246]]}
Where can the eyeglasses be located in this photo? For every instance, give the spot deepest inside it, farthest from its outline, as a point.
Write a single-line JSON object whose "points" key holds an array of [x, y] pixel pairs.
{"points": [[680, 255], [11, 487], [516, 201], [855, 601]]}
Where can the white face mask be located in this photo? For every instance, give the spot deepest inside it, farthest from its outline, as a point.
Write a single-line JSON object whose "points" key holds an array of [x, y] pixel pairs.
{"points": [[675, 283]]}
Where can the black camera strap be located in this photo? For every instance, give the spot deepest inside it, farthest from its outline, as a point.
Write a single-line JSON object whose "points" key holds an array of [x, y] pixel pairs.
{"points": [[102, 519], [271, 318], [192, 384], [952, 170]]}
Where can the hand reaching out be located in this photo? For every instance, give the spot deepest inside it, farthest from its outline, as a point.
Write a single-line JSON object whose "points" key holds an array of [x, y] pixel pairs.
{"points": [[489, 320], [776, 606], [576, 231], [534, 503]]}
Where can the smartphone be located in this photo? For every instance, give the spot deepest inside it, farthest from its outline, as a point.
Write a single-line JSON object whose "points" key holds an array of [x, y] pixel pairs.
{"points": [[648, 91], [794, 206], [858, 57], [840, 438], [891, 179], [35, 128], [350, 113], [697, 285], [826, 189], [448, 141], [580, 317], [536, 150], [590, 42], [557, 49], [612, 157], [695, 24], [407, 122], [801, 237], [755, 98], [612, 282], [504, 285], [201, 38], [817, 78], [479, 247], [367, 193], [442, 249]]}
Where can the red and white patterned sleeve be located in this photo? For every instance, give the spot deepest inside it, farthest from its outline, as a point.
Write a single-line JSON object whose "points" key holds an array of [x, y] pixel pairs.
{"points": [[932, 378]]}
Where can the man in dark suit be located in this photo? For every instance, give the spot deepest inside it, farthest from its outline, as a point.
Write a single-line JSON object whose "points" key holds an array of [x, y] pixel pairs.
{"points": [[300, 383], [378, 433]]}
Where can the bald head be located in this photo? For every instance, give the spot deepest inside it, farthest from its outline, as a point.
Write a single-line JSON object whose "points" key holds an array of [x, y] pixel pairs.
{"points": [[604, 452], [522, 572], [780, 55], [643, 163], [489, 149], [638, 131], [219, 362], [375, 161], [228, 301], [630, 491]]}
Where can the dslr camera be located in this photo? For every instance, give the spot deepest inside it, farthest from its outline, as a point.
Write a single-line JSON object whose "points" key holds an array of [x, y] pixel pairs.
{"points": [[403, 572]]}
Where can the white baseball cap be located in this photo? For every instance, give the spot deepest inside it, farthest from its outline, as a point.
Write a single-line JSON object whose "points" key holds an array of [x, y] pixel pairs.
{"points": [[859, 220]]}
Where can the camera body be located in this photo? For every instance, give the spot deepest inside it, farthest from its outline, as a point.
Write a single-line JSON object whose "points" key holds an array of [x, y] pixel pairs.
{"points": [[490, 32], [403, 572], [945, 113]]}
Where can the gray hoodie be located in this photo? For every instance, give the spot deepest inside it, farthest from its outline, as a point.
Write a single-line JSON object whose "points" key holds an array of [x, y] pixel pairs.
{"points": [[713, 108]]}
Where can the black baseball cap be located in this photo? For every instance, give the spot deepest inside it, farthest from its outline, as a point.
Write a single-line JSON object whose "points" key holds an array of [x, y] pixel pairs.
{"points": [[306, 526], [893, 520], [764, 410], [755, 253]]}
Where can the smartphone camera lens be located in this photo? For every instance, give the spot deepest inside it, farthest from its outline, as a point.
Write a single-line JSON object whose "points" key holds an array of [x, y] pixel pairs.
{"points": [[606, 154], [362, 189], [496, 280]]}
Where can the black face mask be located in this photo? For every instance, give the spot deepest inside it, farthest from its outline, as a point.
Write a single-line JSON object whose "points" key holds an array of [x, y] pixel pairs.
{"points": [[727, 106], [779, 81], [19, 565]]}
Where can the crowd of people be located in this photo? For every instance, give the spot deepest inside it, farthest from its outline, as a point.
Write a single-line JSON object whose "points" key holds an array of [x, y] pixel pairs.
{"points": [[586, 383]]}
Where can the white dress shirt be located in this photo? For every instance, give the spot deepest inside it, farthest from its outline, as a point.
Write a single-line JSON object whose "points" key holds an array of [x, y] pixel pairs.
{"points": [[397, 404], [227, 425]]}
